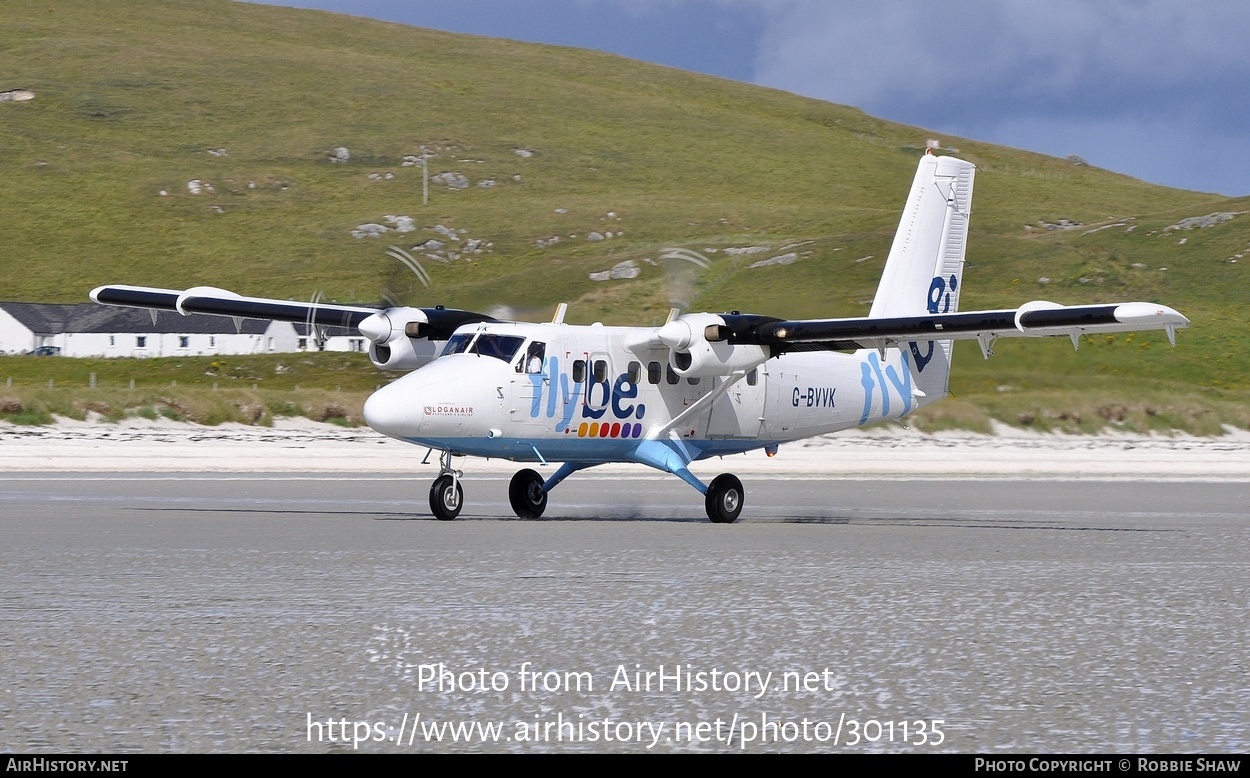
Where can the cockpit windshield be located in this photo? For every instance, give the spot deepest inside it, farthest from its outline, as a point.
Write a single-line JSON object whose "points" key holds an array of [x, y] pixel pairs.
{"points": [[485, 344], [502, 347], [458, 344]]}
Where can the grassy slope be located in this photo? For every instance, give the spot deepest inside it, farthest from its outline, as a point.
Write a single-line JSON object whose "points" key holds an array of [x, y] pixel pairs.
{"points": [[131, 96]]}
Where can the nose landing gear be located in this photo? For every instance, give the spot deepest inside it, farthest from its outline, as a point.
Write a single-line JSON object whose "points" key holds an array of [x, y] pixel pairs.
{"points": [[446, 494]]}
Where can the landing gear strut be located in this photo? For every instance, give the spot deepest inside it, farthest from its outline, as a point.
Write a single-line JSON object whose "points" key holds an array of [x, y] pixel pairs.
{"points": [[446, 494], [526, 494], [724, 499]]}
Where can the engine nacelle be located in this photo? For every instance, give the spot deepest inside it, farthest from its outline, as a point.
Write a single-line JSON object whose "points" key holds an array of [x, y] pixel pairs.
{"points": [[399, 339], [699, 347]]}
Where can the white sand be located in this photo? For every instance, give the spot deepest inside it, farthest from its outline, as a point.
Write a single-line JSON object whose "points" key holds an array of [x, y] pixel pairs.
{"points": [[298, 445]]}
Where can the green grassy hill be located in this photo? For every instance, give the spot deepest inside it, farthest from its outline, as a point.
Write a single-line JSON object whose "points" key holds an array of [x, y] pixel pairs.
{"points": [[135, 100]]}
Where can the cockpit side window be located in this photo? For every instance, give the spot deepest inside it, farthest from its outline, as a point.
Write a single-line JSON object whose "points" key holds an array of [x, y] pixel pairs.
{"points": [[535, 356], [502, 347]]}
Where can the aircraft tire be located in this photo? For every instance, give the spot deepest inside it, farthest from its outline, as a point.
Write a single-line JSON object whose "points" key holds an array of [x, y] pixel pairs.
{"points": [[724, 499], [526, 494], [446, 498]]}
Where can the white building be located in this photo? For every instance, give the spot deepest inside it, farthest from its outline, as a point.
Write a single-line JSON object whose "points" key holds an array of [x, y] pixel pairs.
{"points": [[90, 330]]}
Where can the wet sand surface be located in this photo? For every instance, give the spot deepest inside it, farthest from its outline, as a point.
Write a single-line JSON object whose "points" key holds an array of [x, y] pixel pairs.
{"points": [[220, 612]]}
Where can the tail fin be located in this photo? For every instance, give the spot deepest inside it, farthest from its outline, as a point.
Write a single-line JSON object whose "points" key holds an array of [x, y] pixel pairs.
{"points": [[924, 272]]}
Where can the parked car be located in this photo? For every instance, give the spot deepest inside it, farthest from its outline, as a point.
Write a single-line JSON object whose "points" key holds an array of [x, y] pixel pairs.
{"points": [[47, 351]]}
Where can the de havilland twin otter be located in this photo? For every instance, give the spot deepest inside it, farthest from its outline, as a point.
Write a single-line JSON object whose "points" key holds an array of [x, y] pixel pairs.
{"points": [[701, 385]]}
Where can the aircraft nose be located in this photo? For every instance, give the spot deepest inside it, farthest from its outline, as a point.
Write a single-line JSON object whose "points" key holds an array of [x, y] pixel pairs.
{"points": [[391, 412]]}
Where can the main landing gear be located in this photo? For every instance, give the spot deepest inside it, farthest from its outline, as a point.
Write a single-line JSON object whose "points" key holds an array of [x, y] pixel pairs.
{"points": [[723, 497], [526, 494]]}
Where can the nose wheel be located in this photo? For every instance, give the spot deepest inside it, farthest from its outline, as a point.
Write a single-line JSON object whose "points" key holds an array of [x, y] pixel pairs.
{"points": [[526, 494], [724, 499], [446, 494], [446, 498]]}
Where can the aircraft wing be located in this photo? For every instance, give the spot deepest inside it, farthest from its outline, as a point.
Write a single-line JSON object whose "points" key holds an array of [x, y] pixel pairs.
{"points": [[434, 323], [1035, 319]]}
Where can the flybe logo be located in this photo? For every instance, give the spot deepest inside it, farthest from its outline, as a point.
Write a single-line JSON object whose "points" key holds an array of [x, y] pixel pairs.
{"points": [[556, 396], [942, 294], [874, 380]]}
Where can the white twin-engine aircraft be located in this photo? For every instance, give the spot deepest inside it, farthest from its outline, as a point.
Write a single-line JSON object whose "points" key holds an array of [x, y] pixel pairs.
{"points": [[702, 385]]}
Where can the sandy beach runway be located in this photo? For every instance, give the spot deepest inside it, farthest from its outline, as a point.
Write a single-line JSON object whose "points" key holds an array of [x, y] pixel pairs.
{"points": [[298, 445]]}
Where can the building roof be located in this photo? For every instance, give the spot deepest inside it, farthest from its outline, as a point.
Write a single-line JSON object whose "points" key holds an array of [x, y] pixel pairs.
{"points": [[55, 319]]}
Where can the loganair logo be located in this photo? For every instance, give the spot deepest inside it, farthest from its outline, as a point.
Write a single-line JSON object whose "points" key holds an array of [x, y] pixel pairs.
{"points": [[874, 379], [448, 410], [608, 404]]}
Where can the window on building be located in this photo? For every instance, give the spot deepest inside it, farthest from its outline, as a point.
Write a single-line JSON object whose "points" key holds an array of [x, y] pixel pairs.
{"points": [[212, 341], [141, 341], [184, 341], [302, 345]]}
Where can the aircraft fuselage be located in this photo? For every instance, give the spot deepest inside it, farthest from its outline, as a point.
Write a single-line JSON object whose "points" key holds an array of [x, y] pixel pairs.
{"points": [[557, 392]]}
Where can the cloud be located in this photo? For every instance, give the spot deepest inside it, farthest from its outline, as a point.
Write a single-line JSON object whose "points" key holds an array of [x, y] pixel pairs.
{"points": [[864, 52], [1079, 73]]}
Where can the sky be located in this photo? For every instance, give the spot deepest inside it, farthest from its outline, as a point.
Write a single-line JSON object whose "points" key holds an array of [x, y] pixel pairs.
{"points": [[1156, 89]]}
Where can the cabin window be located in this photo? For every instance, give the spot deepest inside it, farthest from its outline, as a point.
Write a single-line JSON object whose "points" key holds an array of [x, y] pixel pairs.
{"points": [[693, 381], [635, 372], [753, 377], [601, 370], [579, 370], [653, 372], [670, 376]]}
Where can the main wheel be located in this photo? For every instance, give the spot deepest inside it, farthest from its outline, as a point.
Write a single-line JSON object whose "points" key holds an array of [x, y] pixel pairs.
{"points": [[724, 499], [446, 498], [526, 494]]}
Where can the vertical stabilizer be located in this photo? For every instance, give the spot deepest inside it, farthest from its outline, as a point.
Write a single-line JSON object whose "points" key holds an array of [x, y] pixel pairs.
{"points": [[924, 272]]}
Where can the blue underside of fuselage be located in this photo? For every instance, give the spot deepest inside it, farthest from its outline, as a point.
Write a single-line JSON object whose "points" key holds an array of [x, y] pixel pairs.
{"points": [[586, 451]]}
